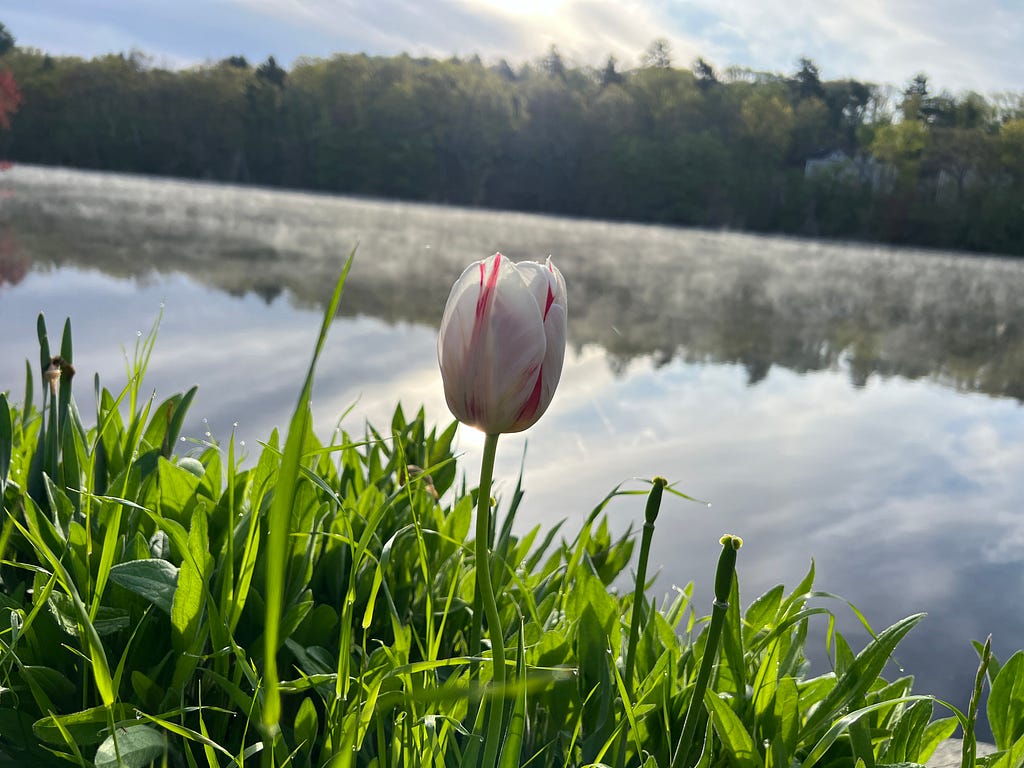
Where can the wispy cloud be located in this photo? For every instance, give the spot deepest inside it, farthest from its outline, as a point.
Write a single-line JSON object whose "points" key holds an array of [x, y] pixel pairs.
{"points": [[960, 45]]}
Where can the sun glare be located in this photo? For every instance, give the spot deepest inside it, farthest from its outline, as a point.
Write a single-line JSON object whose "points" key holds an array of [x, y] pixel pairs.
{"points": [[524, 8]]}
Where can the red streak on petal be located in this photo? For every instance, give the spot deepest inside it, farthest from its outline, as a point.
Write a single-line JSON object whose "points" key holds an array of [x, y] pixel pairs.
{"points": [[532, 404], [488, 286], [550, 301]]}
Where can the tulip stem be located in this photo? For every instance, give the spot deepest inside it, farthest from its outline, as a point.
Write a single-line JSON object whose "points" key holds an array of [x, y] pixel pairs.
{"points": [[486, 591]]}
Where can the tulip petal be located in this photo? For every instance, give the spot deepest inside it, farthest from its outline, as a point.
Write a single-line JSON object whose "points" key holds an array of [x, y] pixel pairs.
{"points": [[501, 344], [548, 288]]}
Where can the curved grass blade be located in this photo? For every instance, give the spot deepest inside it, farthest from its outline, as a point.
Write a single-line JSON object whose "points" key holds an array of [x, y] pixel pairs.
{"points": [[279, 517]]}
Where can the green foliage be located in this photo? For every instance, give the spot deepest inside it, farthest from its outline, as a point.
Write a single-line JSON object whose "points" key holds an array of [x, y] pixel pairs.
{"points": [[139, 587], [739, 148]]}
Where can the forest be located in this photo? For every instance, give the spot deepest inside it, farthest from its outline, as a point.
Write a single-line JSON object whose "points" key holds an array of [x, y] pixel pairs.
{"points": [[731, 148]]}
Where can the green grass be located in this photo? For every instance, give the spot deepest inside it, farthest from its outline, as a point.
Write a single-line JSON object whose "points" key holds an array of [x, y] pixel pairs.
{"points": [[317, 609]]}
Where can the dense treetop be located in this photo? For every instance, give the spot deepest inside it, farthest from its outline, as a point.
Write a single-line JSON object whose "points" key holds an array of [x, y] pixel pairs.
{"points": [[733, 148]]}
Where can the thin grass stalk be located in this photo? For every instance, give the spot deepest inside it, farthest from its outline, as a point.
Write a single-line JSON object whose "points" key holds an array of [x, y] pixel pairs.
{"points": [[486, 590], [723, 586], [969, 749], [639, 597]]}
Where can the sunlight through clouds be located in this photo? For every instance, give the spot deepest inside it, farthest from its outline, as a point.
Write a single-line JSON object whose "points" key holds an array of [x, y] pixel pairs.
{"points": [[958, 45]]}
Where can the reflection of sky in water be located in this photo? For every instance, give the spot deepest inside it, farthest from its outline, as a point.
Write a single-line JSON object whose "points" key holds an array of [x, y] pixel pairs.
{"points": [[907, 494]]}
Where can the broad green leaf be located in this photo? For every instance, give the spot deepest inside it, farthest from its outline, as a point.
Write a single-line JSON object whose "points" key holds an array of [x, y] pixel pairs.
{"points": [[860, 676], [306, 726], [784, 722], [936, 733], [177, 490], [152, 578], [86, 727], [1012, 757], [905, 742], [66, 613], [839, 726], [189, 595], [1006, 702], [762, 611], [732, 732], [56, 686], [137, 745]]}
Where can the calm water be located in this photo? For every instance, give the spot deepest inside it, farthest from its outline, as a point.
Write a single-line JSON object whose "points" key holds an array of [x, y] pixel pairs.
{"points": [[859, 406]]}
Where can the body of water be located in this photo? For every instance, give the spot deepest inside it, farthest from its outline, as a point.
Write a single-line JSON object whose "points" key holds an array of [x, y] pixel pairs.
{"points": [[855, 405]]}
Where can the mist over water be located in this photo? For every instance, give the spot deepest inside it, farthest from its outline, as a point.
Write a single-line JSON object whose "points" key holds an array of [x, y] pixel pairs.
{"points": [[855, 405]]}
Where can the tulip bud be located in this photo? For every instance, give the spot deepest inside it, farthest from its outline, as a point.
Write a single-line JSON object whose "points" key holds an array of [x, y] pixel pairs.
{"points": [[502, 343]]}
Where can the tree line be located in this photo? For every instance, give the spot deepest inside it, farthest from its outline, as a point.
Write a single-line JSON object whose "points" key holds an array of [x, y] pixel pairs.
{"points": [[734, 148]]}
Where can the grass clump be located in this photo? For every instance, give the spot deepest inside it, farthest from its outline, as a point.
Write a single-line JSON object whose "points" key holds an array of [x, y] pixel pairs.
{"points": [[316, 609]]}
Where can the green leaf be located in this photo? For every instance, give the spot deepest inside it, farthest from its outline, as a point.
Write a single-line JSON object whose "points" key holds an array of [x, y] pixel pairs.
{"points": [[762, 611], [66, 613], [843, 723], [153, 579], [1006, 702], [86, 727], [860, 676], [137, 745], [1012, 757], [732, 733], [6, 444], [785, 721], [29, 389], [189, 595], [306, 725], [512, 746], [936, 733]]}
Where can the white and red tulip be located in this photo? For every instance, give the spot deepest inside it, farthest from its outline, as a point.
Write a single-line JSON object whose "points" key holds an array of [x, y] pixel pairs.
{"points": [[502, 343]]}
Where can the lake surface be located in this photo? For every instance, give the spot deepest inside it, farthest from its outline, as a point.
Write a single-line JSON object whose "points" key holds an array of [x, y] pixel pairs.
{"points": [[860, 406]]}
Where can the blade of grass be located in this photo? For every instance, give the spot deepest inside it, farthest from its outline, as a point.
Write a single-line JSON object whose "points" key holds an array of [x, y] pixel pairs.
{"points": [[279, 518]]}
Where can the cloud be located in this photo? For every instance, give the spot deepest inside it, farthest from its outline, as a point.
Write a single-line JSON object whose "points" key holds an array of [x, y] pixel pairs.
{"points": [[959, 45]]}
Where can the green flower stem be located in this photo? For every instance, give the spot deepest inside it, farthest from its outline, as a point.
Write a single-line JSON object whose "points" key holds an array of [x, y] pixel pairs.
{"points": [[723, 585], [969, 752], [486, 591], [639, 599]]}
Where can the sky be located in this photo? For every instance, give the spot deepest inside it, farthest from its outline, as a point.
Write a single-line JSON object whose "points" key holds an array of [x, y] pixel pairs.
{"points": [[960, 44]]}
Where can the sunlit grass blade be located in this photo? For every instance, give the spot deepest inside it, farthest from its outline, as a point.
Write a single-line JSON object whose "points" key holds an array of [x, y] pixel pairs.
{"points": [[6, 446], [279, 519]]}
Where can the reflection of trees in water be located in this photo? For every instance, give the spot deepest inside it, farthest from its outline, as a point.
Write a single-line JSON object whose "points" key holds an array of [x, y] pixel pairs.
{"points": [[14, 261], [661, 293]]}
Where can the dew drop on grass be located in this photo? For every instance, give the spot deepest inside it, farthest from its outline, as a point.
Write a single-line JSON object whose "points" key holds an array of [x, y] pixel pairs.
{"points": [[138, 333], [242, 443], [182, 439], [205, 421], [234, 424], [207, 433]]}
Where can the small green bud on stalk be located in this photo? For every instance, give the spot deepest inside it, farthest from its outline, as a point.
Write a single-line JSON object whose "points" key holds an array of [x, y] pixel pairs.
{"points": [[723, 586], [650, 515], [726, 567], [654, 499]]}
